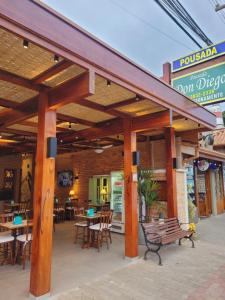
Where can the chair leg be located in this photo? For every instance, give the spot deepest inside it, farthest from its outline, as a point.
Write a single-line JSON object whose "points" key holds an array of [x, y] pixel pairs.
{"points": [[110, 238], [98, 241], [76, 232], [16, 252], [11, 252]]}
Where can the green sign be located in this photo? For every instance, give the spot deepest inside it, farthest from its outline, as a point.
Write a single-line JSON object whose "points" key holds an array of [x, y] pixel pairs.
{"points": [[205, 86]]}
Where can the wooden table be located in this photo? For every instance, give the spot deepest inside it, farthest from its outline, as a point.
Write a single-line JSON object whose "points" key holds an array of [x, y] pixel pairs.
{"points": [[14, 229], [89, 220]]}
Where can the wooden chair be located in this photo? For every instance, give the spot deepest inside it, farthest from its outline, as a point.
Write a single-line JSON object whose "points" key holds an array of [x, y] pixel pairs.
{"points": [[6, 240], [59, 212], [23, 244], [80, 227], [100, 232]]}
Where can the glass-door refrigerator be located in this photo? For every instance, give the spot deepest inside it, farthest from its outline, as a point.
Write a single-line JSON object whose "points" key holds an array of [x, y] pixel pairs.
{"points": [[117, 201]]}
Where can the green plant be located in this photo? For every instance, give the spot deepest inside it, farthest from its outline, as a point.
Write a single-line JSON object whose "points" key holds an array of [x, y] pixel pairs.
{"points": [[148, 188], [191, 210]]}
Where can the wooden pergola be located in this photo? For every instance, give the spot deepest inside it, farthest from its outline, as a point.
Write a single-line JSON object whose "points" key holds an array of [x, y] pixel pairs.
{"points": [[68, 84]]}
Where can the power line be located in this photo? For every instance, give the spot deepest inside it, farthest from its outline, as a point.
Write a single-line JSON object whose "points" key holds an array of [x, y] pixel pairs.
{"points": [[149, 24], [176, 11], [179, 25]]}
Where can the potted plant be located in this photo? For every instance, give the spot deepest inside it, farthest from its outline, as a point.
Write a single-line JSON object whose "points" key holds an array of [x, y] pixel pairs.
{"points": [[147, 194]]}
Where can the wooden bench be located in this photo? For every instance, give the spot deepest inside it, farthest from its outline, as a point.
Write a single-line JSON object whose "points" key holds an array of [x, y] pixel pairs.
{"points": [[158, 234]]}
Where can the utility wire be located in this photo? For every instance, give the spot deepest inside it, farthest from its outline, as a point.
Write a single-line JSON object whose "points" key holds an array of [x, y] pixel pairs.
{"points": [[175, 20], [147, 23], [175, 10]]}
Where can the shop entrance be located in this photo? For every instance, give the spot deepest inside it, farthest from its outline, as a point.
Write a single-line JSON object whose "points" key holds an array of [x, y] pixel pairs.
{"points": [[203, 193]]}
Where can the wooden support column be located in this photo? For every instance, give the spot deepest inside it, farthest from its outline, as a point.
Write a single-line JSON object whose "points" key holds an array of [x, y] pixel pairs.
{"points": [[40, 277], [171, 172], [130, 192]]}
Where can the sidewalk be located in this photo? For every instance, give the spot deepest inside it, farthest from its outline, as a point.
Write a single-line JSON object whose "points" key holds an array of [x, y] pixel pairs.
{"points": [[193, 274]]}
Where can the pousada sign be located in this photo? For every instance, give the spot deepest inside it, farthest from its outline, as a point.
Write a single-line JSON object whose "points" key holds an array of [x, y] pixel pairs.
{"points": [[199, 56], [205, 86]]}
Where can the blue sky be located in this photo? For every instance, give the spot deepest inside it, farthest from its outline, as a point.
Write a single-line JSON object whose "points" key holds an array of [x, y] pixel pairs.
{"points": [[140, 29]]}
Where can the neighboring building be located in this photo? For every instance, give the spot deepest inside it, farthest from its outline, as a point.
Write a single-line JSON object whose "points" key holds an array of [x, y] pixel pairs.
{"points": [[201, 76]]}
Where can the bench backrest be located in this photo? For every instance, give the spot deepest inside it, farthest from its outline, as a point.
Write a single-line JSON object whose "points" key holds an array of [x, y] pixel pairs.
{"points": [[154, 231]]}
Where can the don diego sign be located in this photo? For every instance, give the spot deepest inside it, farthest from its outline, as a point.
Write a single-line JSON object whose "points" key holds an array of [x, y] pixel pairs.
{"points": [[199, 56], [205, 86]]}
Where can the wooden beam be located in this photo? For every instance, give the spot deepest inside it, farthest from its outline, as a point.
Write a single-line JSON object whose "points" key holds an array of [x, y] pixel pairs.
{"points": [[100, 107], [15, 79], [70, 119], [167, 72], [130, 192], [18, 132], [78, 87], [8, 103], [13, 104], [22, 111], [152, 121], [72, 90], [59, 67], [115, 126], [171, 172], [121, 104], [40, 276]]}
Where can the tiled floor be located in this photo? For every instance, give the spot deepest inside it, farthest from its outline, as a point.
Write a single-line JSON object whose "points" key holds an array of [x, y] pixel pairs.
{"points": [[193, 274], [71, 265]]}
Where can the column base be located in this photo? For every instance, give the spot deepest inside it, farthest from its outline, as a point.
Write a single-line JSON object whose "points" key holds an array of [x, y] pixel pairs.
{"points": [[42, 297], [132, 259]]}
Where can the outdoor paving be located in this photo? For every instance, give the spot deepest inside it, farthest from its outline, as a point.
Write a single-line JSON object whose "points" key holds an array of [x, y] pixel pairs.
{"points": [[192, 274]]}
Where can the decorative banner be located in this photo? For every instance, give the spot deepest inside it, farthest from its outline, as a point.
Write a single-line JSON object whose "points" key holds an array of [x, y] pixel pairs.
{"points": [[199, 56], [205, 86]]}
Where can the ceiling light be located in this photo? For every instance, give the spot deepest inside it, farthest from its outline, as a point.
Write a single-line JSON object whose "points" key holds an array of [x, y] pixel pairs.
{"points": [[108, 83], [98, 150], [25, 44], [61, 141], [0, 136], [137, 98], [56, 58]]}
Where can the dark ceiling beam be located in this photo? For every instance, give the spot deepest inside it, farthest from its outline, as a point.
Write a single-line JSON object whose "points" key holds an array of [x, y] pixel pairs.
{"points": [[59, 67], [18, 80], [8, 103], [18, 132]]}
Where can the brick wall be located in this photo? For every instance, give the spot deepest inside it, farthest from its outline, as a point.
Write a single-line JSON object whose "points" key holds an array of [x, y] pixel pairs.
{"points": [[87, 163]]}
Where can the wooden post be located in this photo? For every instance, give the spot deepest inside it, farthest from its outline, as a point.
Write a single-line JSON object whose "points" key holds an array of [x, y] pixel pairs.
{"points": [[40, 277], [167, 72], [171, 172], [130, 192]]}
